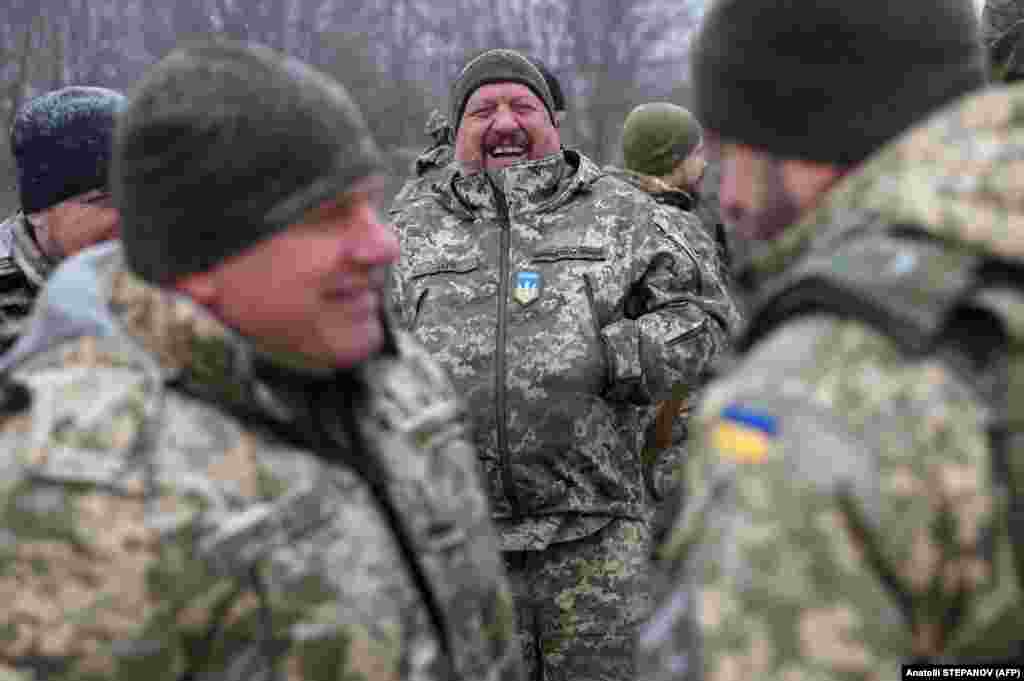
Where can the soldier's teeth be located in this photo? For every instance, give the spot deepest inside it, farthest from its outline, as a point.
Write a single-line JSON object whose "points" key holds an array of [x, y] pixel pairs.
{"points": [[502, 151]]}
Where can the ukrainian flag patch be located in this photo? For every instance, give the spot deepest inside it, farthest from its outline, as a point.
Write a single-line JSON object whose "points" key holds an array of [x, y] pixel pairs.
{"points": [[743, 435]]}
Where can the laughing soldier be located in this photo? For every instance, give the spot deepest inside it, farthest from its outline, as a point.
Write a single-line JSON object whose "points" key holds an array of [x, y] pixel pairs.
{"points": [[563, 303]]}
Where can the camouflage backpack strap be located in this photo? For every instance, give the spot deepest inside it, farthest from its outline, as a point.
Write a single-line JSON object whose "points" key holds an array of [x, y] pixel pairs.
{"points": [[929, 296], [900, 281]]}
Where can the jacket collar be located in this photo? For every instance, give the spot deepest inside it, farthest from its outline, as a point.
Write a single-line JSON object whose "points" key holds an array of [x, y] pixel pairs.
{"points": [[36, 265], [657, 188], [529, 186]]}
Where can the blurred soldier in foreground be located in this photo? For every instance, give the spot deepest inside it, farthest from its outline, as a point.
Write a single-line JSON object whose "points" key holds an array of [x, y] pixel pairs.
{"points": [[855, 489], [442, 151], [1002, 30], [563, 303], [225, 464], [61, 144]]}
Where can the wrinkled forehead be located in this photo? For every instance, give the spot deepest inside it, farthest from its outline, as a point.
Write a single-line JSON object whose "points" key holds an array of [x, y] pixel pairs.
{"points": [[505, 91]]}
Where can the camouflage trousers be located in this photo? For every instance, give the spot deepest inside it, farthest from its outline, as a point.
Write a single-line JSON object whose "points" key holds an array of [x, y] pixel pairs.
{"points": [[579, 603]]}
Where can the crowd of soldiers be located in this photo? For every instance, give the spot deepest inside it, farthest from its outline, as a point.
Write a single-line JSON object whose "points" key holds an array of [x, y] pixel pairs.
{"points": [[744, 407]]}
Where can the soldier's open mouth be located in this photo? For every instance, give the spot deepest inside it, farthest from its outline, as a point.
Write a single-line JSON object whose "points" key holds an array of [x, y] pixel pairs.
{"points": [[506, 152]]}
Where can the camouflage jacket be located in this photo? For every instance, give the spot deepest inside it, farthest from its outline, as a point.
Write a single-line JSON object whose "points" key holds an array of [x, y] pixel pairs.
{"points": [[662, 192], [176, 505], [562, 304], [431, 160], [1002, 31], [847, 506], [668, 195], [23, 269], [427, 168]]}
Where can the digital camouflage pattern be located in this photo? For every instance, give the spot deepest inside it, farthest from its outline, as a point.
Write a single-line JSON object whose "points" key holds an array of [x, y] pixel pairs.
{"points": [[687, 205], [579, 603], [625, 305], [658, 189], [564, 304], [158, 521], [433, 159], [1002, 27], [23, 270], [844, 511], [702, 208]]}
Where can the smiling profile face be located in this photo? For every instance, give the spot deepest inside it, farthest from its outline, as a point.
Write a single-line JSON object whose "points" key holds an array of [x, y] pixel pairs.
{"points": [[502, 124], [314, 289]]}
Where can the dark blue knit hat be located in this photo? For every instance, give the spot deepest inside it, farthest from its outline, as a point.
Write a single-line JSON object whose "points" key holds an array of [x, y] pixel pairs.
{"points": [[62, 143]]}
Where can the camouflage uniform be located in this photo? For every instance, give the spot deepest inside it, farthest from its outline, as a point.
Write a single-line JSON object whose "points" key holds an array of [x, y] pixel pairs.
{"points": [[175, 505], [23, 269], [563, 304], [668, 195], [848, 493], [432, 160], [1003, 33], [688, 205]]}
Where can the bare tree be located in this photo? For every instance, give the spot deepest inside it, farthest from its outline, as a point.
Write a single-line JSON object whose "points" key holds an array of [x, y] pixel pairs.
{"points": [[398, 56]]}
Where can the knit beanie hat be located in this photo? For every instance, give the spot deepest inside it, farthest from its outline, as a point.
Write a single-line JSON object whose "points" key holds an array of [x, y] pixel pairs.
{"points": [[223, 145], [558, 102], [831, 80], [497, 66], [61, 142], [657, 136]]}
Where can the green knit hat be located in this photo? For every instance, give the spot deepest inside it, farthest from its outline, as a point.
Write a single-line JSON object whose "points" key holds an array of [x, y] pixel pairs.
{"points": [[497, 66], [831, 80], [224, 144], [657, 136]]}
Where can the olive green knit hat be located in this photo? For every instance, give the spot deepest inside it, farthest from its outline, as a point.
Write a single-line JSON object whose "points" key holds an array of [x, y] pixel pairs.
{"points": [[657, 136]]}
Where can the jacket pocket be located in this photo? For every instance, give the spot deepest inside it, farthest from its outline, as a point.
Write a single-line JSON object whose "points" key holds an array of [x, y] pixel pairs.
{"points": [[445, 283], [696, 329]]}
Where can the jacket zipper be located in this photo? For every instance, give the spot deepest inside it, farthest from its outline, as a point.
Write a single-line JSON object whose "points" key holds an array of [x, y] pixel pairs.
{"points": [[505, 223]]}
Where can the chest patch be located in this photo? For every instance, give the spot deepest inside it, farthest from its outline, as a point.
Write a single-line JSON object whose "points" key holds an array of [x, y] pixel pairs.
{"points": [[528, 287]]}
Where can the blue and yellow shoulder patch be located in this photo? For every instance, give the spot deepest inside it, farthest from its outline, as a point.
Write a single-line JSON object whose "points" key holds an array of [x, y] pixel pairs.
{"points": [[743, 435]]}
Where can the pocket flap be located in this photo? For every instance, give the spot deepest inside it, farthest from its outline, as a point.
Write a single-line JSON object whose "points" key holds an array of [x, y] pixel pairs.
{"points": [[556, 253], [446, 265]]}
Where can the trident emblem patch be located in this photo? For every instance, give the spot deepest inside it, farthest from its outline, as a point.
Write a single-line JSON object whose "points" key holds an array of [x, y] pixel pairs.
{"points": [[527, 290]]}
